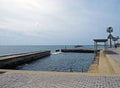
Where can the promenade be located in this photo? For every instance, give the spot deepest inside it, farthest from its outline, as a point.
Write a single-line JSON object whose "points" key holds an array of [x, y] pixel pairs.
{"points": [[109, 62], [114, 53], [106, 76]]}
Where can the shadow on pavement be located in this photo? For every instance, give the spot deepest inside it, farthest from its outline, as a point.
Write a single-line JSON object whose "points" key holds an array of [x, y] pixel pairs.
{"points": [[110, 52]]}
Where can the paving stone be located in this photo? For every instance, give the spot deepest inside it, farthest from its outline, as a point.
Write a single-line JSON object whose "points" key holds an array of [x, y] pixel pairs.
{"points": [[46, 80]]}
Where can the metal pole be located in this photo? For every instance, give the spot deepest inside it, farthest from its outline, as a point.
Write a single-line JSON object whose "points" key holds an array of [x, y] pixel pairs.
{"points": [[82, 68]]}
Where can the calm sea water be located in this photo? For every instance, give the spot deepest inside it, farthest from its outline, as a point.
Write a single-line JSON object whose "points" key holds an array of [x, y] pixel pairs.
{"points": [[60, 62]]}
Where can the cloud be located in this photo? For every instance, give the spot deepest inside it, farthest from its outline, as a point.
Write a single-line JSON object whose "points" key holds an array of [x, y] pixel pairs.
{"points": [[23, 15], [58, 20]]}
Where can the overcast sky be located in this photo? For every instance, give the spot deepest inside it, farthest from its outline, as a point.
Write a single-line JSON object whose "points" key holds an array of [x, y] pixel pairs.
{"points": [[48, 22]]}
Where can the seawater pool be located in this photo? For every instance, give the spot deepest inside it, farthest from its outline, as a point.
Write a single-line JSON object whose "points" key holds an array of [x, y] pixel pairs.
{"points": [[61, 62]]}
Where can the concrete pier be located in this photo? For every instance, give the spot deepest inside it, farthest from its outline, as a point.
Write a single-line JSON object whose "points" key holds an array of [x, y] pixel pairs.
{"points": [[109, 62], [78, 50], [17, 59]]}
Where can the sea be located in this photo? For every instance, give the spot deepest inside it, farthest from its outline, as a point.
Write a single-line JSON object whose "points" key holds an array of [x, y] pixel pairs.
{"points": [[56, 62]]}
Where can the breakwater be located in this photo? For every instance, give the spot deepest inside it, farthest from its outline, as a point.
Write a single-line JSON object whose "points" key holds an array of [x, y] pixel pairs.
{"points": [[17, 59], [78, 50]]}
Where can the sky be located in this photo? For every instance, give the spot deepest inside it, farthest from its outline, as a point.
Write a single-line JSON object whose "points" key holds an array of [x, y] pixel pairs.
{"points": [[57, 22]]}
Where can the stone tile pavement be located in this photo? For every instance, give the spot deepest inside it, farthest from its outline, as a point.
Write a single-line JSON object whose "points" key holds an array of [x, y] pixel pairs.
{"points": [[29, 79], [114, 53]]}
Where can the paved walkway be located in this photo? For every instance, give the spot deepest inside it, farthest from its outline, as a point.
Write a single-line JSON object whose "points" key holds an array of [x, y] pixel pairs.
{"points": [[104, 65], [114, 53], [19, 79], [109, 62]]}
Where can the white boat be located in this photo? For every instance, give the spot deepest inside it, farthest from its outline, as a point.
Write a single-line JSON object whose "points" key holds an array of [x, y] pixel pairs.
{"points": [[56, 52]]}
